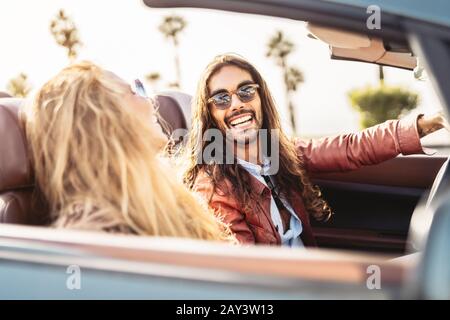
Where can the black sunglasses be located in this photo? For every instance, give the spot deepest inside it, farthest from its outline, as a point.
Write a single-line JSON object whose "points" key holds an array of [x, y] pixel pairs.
{"points": [[245, 93], [140, 90]]}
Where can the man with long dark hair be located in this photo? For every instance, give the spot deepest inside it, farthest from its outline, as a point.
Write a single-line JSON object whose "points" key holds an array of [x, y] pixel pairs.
{"points": [[263, 205]]}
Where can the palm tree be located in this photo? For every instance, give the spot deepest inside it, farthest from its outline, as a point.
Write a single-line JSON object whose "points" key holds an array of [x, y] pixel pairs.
{"points": [[18, 86], [173, 85], [171, 28], [292, 78], [279, 48], [153, 78], [65, 33], [381, 74]]}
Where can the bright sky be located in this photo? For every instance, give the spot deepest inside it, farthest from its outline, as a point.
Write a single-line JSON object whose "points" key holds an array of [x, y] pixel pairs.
{"points": [[123, 36]]}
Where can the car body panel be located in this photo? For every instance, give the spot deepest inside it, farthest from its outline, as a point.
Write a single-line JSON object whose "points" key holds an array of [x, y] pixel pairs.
{"points": [[33, 263], [433, 12], [373, 205]]}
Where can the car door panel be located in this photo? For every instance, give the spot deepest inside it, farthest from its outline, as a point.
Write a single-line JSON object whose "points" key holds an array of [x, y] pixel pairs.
{"points": [[373, 205]]}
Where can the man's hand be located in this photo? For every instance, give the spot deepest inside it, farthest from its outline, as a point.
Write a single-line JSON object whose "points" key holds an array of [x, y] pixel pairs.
{"points": [[427, 124]]}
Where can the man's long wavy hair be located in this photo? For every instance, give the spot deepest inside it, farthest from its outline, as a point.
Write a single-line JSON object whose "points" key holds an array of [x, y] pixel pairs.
{"points": [[291, 176], [96, 163]]}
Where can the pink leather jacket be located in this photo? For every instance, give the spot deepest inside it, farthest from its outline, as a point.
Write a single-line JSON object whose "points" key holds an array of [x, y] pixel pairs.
{"points": [[332, 154]]}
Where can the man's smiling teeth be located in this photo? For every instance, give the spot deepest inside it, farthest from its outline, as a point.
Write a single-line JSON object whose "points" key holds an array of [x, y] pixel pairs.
{"points": [[241, 120]]}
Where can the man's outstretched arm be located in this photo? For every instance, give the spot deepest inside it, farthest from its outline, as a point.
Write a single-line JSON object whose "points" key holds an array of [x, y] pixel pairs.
{"points": [[370, 146]]}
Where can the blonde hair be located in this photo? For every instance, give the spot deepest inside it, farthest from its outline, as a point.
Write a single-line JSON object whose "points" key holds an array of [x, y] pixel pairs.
{"points": [[96, 162]]}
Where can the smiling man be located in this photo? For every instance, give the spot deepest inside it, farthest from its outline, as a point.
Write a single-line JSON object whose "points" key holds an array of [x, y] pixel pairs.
{"points": [[243, 123], [263, 206]]}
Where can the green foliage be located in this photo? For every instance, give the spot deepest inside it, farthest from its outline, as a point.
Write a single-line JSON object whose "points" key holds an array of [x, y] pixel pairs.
{"points": [[171, 27], [293, 78], [65, 33], [18, 86], [279, 48], [381, 103], [153, 78]]}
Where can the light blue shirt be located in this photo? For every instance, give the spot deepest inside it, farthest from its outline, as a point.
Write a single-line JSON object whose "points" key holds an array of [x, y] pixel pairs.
{"points": [[291, 237]]}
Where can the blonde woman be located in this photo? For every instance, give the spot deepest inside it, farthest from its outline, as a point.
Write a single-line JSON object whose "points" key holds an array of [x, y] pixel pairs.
{"points": [[94, 146]]}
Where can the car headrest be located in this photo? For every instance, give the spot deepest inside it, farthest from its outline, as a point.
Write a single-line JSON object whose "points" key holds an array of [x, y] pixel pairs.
{"points": [[174, 108], [171, 112], [4, 95], [15, 168]]}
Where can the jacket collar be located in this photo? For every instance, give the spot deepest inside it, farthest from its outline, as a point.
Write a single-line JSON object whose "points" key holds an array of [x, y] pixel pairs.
{"points": [[256, 185]]}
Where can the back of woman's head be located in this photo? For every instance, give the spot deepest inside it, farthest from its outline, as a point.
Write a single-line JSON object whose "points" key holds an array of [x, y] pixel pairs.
{"points": [[96, 163]]}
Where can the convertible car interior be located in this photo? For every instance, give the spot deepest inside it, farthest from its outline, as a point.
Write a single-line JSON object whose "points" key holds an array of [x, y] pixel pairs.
{"points": [[377, 221], [373, 206], [346, 45], [381, 212]]}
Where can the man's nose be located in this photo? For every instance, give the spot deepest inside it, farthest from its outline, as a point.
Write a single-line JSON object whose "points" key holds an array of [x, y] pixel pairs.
{"points": [[236, 103]]}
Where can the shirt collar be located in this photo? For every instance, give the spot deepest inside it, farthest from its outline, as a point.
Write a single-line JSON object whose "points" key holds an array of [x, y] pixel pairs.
{"points": [[255, 168]]}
